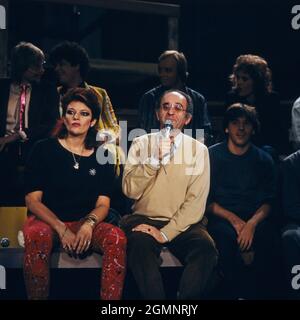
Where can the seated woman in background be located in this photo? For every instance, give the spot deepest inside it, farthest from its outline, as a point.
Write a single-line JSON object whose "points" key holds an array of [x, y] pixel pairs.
{"points": [[251, 80], [68, 197]]}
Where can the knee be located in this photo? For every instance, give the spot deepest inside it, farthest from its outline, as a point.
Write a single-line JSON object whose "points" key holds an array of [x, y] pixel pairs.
{"points": [[141, 245], [208, 247], [140, 241], [205, 251], [210, 258], [143, 256], [211, 255], [122, 240], [37, 237], [116, 238]]}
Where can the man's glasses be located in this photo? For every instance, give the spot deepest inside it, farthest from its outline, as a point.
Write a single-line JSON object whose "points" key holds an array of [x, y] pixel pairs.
{"points": [[176, 106]]}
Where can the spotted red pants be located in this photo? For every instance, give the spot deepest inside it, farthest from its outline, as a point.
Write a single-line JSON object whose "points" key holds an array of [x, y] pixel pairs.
{"points": [[39, 241]]}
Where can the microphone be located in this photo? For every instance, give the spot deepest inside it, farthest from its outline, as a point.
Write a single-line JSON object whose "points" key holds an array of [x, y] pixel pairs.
{"points": [[168, 126]]}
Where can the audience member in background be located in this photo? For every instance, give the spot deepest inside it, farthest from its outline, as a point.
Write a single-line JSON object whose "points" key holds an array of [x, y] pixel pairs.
{"points": [[168, 177], [71, 63], [68, 197], [291, 232], [295, 134], [252, 85], [173, 74], [28, 112], [241, 195]]}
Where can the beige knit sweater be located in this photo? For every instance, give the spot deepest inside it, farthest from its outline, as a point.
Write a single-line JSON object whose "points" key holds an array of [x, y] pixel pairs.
{"points": [[177, 194]]}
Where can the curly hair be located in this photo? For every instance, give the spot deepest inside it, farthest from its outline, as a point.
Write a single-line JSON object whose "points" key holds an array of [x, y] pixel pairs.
{"points": [[89, 98], [72, 52], [257, 68]]}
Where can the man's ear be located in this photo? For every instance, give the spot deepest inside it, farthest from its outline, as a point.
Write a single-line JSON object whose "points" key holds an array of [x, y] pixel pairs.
{"points": [[188, 119], [157, 115], [226, 130]]}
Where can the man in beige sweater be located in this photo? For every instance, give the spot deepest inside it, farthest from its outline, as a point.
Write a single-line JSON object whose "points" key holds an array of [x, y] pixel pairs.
{"points": [[167, 174]]}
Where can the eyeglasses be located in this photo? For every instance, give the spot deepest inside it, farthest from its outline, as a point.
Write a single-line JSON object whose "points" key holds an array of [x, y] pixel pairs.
{"points": [[82, 113], [177, 107]]}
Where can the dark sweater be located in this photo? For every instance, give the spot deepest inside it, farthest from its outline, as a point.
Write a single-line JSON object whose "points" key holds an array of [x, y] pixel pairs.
{"points": [[69, 193], [243, 183]]}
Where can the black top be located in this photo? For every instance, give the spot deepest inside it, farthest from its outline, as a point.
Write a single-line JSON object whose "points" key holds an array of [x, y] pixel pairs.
{"points": [[291, 187], [69, 193], [242, 183]]}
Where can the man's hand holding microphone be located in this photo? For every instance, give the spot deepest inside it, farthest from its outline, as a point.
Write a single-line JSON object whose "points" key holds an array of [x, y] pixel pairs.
{"points": [[165, 142]]}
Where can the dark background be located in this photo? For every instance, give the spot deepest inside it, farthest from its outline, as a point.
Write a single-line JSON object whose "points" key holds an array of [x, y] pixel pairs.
{"points": [[211, 33]]}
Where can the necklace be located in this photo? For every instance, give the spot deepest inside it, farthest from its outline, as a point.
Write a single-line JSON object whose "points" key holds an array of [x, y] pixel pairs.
{"points": [[76, 163]]}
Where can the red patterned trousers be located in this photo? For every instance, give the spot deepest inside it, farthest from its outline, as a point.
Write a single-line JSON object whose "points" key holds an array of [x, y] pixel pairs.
{"points": [[39, 241]]}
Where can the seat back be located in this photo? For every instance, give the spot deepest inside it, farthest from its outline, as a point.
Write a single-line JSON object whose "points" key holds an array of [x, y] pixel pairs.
{"points": [[11, 222]]}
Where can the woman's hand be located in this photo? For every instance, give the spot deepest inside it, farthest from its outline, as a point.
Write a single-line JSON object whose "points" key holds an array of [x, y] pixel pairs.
{"points": [[67, 238], [83, 239]]}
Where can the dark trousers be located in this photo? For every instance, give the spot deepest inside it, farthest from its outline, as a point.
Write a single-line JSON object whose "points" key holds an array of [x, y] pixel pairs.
{"points": [[194, 248], [266, 264], [291, 250]]}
